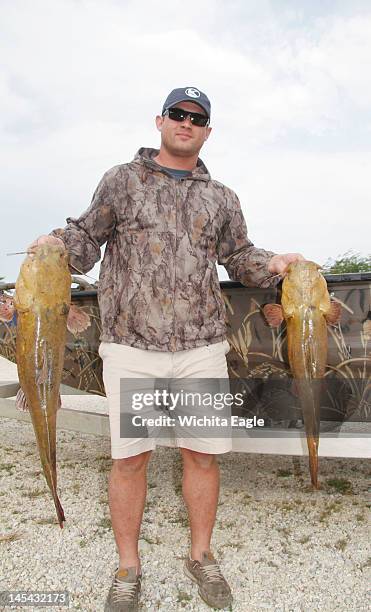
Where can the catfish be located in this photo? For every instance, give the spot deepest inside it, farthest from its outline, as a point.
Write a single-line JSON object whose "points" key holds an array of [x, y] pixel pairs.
{"points": [[307, 309], [42, 300]]}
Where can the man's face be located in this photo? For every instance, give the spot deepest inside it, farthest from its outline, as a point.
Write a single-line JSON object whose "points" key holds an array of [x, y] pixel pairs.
{"points": [[182, 139]]}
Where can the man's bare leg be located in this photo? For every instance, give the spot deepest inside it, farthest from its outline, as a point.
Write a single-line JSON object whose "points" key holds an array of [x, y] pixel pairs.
{"points": [[200, 492], [127, 495]]}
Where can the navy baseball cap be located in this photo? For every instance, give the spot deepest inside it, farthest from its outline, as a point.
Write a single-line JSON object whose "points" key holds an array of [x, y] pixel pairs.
{"points": [[187, 94]]}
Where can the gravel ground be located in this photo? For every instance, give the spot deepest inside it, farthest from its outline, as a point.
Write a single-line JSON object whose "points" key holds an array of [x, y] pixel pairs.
{"points": [[281, 545]]}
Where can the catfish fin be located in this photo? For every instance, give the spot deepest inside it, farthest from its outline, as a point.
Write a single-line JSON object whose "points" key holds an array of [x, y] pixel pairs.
{"points": [[22, 405], [77, 320], [21, 402], [334, 316], [273, 314]]}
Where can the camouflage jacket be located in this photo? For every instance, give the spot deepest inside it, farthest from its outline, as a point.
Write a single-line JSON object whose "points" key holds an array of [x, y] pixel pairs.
{"points": [[158, 284]]}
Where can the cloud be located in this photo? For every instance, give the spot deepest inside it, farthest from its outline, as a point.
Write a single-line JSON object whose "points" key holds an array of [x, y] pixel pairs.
{"points": [[82, 82]]}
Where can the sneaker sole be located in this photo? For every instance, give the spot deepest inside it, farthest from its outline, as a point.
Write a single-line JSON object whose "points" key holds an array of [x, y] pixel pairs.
{"points": [[212, 605]]}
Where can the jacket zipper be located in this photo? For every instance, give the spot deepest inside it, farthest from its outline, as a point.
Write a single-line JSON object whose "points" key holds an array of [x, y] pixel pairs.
{"points": [[175, 251]]}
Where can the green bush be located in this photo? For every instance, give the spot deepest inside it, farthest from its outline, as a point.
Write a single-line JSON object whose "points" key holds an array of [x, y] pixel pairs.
{"points": [[348, 262]]}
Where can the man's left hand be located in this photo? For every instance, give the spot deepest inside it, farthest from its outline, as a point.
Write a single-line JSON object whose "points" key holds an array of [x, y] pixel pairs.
{"points": [[279, 263]]}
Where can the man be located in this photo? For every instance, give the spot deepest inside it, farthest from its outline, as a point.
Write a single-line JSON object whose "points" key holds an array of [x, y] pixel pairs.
{"points": [[166, 224]]}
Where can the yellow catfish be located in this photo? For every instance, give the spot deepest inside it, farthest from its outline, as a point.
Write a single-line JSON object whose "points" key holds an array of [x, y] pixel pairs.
{"points": [[306, 308], [42, 300]]}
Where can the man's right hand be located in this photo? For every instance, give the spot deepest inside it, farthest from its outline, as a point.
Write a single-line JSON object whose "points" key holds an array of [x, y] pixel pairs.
{"points": [[45, 240]]}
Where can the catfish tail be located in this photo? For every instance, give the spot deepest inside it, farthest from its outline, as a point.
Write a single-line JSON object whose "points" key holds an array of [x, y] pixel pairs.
{"points": [[313, 460], [59, 510]]}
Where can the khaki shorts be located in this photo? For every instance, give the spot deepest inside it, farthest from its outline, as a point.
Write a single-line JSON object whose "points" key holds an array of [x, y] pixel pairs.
{"points": [[122, 362]]}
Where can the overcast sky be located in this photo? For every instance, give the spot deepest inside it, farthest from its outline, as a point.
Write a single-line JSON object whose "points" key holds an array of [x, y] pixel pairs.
{"points": [[290, 88]]}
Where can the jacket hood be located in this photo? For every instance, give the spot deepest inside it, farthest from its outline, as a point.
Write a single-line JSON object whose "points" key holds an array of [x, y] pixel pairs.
{"points": [[145, 156]]}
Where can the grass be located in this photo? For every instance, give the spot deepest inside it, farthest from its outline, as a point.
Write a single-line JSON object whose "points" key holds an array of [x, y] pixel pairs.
{"points": [[341, 544], [287, 506], [340, 485], [332, 507], [297, 467], [7, 467], [178, 488], [284, 530], [35, 493], [360, 518], [183, 597], [51, 520], [103, 467], [104, 458], [236, 545], [286, 551], [105, 523], [35, 473], [228, 525], [283, 473], [181, 520], [366, 564], [308, 488], [150, 540], [11, 537]]}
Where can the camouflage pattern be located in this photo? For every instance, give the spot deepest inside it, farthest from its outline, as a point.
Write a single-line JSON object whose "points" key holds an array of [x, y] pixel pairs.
{"points": [[158, 285]]}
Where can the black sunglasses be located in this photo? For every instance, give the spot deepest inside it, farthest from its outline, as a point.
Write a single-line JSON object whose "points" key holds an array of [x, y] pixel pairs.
{"points": [[178, 114]]}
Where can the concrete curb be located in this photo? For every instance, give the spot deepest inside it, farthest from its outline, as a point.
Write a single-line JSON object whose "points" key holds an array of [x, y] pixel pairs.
{"points": [[271, 442]]}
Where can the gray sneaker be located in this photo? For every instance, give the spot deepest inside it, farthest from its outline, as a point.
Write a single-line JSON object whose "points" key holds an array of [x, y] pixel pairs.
{"points": [[212, 586], [123, 595]]}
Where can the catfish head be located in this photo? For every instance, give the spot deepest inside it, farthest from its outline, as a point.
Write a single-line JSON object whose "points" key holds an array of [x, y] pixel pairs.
{"points": [[303, 289], [48, 255], [45, 268]]}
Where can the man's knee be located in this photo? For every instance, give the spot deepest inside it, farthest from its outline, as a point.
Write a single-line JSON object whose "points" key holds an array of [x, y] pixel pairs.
{"points": [[195, 459], [132, 465]]}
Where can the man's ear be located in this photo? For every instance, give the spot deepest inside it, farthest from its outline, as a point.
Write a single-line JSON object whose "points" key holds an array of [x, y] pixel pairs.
{"points": [[159, 122], [208, 132]]}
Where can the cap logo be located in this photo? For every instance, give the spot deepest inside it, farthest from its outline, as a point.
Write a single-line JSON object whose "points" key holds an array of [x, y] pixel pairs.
{"points": [[192, 92]]}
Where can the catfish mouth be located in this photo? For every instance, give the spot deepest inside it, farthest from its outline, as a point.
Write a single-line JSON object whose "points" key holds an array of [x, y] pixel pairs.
{"points": [[307, 267], [54, 253]]}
